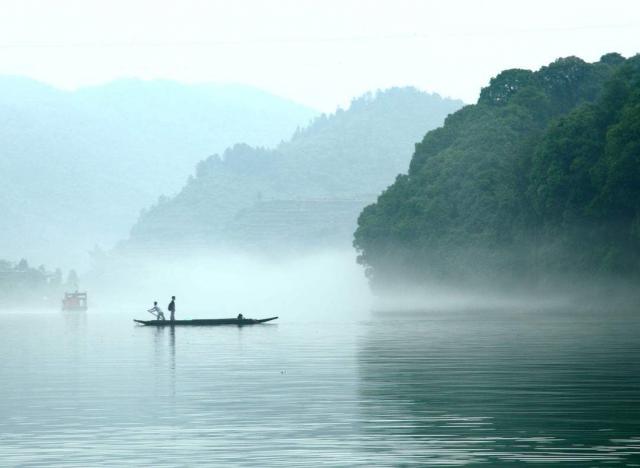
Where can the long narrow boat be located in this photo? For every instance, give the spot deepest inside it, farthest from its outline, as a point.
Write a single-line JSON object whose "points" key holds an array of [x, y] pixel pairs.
{"points": [[203, 322]]}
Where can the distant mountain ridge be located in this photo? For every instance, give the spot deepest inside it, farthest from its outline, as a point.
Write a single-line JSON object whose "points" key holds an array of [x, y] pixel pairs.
{"points": [[307, 190], [76, 167]]}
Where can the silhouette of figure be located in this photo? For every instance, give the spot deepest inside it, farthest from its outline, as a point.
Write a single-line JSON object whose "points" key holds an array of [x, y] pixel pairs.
{"points": [[172, 308], [240, 316], [155, 310]]}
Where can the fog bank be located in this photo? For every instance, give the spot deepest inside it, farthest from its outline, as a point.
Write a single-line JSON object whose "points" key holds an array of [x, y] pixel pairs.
{"points": [[324, 285]]}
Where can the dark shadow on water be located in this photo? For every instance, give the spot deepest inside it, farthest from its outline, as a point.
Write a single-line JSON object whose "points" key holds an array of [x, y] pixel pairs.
{"points": [[172, 346], [559, 387]]}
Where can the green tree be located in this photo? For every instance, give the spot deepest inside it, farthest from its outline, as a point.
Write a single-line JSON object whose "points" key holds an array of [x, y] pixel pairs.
{"points": [[540, 177]]}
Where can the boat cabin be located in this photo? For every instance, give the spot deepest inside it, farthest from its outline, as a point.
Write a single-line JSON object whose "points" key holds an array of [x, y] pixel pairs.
{"points": [[74, 301]]}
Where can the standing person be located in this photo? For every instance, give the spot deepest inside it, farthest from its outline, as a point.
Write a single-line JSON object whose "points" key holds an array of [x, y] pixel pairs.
{"points": [[172, 307]]}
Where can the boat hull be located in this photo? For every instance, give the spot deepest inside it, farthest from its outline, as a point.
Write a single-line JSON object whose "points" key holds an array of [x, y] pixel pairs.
{"points": [[203, 322]]}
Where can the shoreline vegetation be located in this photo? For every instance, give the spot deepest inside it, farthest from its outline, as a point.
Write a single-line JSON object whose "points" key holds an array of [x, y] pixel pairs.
{"points": [[535, 187], [26, 286], [303, 194]]}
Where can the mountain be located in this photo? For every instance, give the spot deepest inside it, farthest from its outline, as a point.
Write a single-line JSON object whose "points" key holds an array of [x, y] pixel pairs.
{"points": [[304, 193], [77, 167], [536, 183]]}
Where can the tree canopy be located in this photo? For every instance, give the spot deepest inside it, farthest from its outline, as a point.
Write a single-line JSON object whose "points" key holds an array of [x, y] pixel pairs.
{"points": [[540, 178], [308, 189]]}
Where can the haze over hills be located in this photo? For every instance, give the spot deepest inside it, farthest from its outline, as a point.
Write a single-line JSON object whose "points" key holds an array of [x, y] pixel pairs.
{"points": [[303, 194], [77, 167], [538, 181]]}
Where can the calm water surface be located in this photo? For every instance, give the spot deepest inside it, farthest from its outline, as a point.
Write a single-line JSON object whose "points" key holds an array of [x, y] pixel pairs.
{"points": [[494, 387]]}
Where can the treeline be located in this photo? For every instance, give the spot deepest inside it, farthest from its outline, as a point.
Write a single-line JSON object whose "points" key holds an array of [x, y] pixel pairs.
{"points": [[113, 149], [25, 286], [538, 181], [306, 191]]}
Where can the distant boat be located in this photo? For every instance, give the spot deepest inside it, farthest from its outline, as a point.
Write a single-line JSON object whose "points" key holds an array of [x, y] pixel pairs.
{"points": [[75, 301], [204, 322]]}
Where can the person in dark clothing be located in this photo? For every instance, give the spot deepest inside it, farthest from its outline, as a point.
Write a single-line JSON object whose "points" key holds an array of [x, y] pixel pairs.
{"points": [[240, 317], [172, 308]]}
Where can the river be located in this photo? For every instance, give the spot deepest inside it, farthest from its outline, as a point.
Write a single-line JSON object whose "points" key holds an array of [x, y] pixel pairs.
{"points": [[560, 387]]}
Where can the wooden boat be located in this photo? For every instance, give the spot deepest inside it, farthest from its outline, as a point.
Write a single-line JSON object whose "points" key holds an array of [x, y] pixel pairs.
{"points": [[75, 301], [204, 322]]}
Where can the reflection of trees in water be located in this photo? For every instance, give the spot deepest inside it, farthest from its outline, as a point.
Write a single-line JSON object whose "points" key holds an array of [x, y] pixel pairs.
{"points": [[500, 386]]}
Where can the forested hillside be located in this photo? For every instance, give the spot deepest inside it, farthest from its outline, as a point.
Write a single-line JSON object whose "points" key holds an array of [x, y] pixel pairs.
{"points": [[76, 167], [539, 180], [307, 191], [23, 285]]}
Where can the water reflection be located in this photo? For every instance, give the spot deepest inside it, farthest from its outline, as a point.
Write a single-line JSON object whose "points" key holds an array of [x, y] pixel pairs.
{"points": [[555, 387], [172, 346], [392, 390], [74, 320]]}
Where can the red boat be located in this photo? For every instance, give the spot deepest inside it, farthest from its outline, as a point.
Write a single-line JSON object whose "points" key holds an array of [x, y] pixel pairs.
{"points": [[74, 301]]}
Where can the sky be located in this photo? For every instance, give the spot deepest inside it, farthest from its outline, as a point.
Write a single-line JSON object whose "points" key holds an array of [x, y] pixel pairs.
{"points": [[320, 53]]}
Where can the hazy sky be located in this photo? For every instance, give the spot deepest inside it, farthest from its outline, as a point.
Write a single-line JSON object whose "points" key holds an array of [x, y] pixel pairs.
{"points": [[320, 53]]}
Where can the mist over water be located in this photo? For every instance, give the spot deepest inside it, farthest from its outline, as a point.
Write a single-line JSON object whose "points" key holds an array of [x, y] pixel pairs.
{"points": [[342, 378], [323, 285]]}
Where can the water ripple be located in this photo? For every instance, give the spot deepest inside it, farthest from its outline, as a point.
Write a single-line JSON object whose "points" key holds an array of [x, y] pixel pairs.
{"points": [[559, 388]]}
